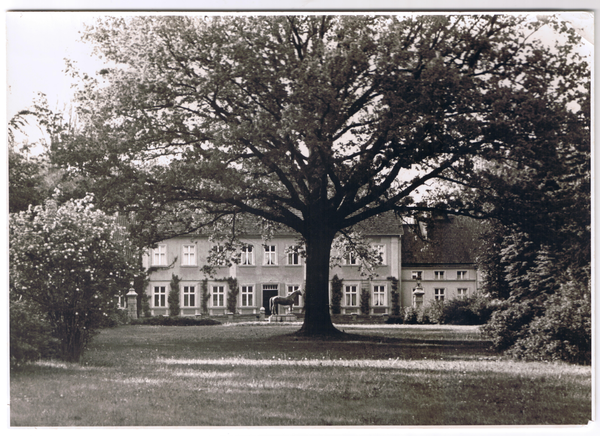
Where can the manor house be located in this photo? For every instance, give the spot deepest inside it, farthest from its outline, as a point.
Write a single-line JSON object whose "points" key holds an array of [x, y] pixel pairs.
{"points": [[422, 262]]}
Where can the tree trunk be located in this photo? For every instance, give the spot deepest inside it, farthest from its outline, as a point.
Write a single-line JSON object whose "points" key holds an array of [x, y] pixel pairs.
{"points": [[317, 320]]}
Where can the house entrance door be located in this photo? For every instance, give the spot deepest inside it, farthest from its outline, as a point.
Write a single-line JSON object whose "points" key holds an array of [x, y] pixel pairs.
{"points": [[268, 292]]}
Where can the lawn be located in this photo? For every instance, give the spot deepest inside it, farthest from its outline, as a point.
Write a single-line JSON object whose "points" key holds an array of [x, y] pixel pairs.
{"points": [[261, 375]]}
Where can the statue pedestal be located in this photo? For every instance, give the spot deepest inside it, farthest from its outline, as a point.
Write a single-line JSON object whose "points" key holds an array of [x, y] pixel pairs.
{"points": [[288, 317]]}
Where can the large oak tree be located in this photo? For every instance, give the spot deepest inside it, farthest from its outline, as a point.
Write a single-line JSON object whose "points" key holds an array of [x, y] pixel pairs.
{"points": [[316, 123]]}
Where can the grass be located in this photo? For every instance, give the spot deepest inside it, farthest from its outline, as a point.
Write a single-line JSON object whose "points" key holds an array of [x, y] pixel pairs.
{"points": [[259, 375]]}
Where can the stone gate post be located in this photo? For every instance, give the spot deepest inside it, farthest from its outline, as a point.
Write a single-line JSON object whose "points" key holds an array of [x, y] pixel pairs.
{"points": [[132, 304]]}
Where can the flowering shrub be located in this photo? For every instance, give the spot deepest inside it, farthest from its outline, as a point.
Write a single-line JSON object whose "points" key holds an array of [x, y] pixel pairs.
{"points": [[69, 261], [30, 337]]}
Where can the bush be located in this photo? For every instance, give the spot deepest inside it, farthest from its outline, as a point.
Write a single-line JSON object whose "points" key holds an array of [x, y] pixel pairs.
{"points": [[468, 311], [174, 321], [115, 318], [395, 320], [410, 315], [562, 333], [30, 334], [508, 323], [434, 313]]}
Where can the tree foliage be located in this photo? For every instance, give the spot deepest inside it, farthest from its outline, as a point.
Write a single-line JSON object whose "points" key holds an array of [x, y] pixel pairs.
{"points": [[537, 260], [69, 261], [316, 123]]}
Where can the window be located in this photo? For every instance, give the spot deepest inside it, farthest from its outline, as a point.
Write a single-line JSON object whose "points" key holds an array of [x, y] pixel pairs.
{"points": [[293, 258], [160, 296], [218, 296], [189, 255], [438, 275], [189, 296], [351, 295], [247, 255], [379, 295], [122, 301], [350, 258], [159, 255], [417, 275], [381, 251], [247, 295], [270, 255], [461, 275], [293, 288], [439, 293], [461, 293]]}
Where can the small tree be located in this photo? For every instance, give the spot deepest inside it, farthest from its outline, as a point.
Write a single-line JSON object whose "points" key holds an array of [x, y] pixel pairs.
{"points": [[336, 295], [365, 297], [232, 295], [173, 299], [205, 296], [69, 261], [395, 296]]}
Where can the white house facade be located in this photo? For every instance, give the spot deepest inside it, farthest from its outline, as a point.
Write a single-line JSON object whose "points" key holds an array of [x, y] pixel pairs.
{"points": [[267, 268]]}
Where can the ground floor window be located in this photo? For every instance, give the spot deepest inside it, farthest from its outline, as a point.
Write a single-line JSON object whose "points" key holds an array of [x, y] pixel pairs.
{"points": [[461, 293], [247, 294], [378, 295], [290, 290], [351, 292], [122, 301], [439, 294], [160, 296], [218, 296], [189, 296]]}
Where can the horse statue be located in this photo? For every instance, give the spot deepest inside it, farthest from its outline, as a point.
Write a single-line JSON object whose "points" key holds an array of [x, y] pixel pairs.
{"points": [[284, 301]]}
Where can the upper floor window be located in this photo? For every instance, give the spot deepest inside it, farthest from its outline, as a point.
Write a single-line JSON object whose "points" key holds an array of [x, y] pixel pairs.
{"points": [[247, 255], [438, 275], [350, 258], [159, 255], [461, 293], [379, 295], [189, 255], [270, 255], [461, 275], [417, 275], [293, 258], [380, 249]]}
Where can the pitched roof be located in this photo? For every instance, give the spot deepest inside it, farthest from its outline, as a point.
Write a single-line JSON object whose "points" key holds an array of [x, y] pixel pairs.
{"points": [[387, 223], [450, 240]]}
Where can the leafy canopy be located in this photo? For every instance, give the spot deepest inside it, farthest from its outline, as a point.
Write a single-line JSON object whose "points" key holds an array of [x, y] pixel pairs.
{"points": [[312, 119]]}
